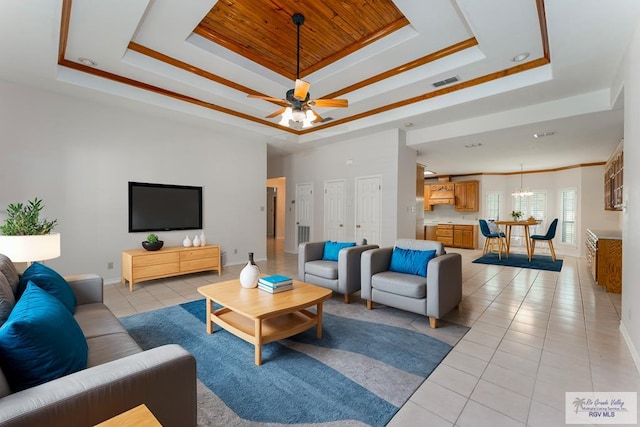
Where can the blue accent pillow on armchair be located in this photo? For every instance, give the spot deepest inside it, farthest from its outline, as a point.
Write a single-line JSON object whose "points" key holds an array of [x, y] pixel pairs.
{"points": [[331, 249], [51, 282], [410, 261], [40, 341]]}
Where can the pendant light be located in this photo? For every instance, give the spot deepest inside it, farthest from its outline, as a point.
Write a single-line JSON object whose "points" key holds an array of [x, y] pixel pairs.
{"points": [[522, 192]]}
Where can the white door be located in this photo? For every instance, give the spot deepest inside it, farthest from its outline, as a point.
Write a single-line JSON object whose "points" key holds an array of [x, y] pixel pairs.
{"points": [[334, 210], [304, 211], [368, 209]]}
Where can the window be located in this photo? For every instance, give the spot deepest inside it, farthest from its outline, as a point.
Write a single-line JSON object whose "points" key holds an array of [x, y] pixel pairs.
{"points": [[533, 206], [567, 224], [493, 205]]}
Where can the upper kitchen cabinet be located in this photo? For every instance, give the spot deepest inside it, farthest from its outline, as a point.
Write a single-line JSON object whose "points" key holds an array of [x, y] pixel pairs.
{"points": [[427, 196], [467, 196], [613, 184]]}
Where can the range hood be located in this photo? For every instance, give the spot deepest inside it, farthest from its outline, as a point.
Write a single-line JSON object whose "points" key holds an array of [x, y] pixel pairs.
{"points": [[442, 193]]}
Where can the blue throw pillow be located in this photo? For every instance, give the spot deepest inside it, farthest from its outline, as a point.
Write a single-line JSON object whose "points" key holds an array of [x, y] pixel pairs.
{"points": [[410, 261], [331, 249], [40, 341], [50, 281]]}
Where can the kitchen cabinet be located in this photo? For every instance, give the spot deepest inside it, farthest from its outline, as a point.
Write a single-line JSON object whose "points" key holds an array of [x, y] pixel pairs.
{"points": [[430, 232], [427, 195], [467, 195], [463, 236], [613, 183], [457, 235], [604, 256]]}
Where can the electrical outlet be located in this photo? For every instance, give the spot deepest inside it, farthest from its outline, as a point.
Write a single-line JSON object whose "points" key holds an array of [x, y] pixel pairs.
{"points": [[110, 265]]}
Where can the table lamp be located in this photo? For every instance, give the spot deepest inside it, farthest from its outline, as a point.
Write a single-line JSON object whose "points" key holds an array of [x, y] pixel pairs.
{"points": [[30, 248]]}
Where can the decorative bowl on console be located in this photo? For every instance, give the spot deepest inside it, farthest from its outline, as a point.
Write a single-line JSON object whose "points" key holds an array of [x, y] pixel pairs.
{"points": [[152, 243]]}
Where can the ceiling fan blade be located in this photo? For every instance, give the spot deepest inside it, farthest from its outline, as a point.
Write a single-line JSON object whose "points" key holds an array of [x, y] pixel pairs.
{"points": [[279, 101], [276, 113], [301, 90], [331, 103], [266, 98], [318, 118]]}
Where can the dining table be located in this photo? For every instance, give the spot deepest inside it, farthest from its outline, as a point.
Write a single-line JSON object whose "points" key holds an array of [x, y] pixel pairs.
{"points": [[508, 225]]}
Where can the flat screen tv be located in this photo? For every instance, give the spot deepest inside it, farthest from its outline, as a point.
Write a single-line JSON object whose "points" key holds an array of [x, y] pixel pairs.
{"points": [[162, 207]]}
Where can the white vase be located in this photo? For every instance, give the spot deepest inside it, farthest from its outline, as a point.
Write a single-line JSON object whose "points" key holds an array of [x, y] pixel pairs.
{"points": [[187, 242], [203, 239], [250, 274], [196, 241]]}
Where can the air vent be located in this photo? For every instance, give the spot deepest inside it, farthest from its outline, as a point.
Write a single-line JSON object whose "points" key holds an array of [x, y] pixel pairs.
{"points": [[446, 81], [326, 119]]}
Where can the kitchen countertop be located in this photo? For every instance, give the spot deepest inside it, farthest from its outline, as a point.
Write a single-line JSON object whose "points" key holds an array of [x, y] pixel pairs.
{"points": [[457, 222], [607, 234]]}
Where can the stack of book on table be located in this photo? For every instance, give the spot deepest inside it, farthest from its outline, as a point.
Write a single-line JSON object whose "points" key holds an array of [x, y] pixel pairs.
{"points": [[276, 283]]}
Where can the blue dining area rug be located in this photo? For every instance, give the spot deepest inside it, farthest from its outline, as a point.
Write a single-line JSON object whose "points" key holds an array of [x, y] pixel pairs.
{"points": [[360, 372], [538, 262]]}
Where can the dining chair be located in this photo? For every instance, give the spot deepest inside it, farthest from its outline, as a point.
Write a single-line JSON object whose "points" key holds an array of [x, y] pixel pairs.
{"points": [[490, 237], [551, 233]]}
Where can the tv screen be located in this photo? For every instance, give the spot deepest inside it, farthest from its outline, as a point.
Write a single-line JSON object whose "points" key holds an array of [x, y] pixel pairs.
{"points": [[161, 207]]}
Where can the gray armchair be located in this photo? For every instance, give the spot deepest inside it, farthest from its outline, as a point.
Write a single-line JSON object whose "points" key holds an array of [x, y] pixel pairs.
{"points": [[342, 276], [433, 296]]}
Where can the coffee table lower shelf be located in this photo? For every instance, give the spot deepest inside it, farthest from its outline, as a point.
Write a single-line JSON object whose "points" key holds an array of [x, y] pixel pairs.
{"points": [[272, 329]]}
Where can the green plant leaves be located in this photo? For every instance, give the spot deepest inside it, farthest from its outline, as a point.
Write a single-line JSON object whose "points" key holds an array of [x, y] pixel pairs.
{"points": [[24, 220]]}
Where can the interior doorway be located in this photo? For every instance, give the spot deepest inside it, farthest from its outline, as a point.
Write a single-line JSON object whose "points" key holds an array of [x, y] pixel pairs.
{"points": [[272, 196], [276, 193]]}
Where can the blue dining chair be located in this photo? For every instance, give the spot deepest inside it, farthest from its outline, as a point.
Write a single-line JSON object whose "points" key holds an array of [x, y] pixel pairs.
{"points": [[551, 233], [489, 237]]}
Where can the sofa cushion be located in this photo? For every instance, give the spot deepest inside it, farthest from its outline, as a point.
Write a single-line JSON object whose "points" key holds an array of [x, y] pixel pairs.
{"points": [[332, 249], [40, 341], [321, 268], [50, 281], [106, 348], [96, 319], [7, 299], [410, 261], [8, 270], [408, 285]]}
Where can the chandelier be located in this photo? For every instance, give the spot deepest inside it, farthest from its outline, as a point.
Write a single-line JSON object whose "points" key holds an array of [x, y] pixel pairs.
{"points": [[522, 191]]}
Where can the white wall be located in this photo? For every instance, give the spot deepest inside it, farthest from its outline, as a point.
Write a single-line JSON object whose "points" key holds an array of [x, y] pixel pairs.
{"points": [[368, 155], [631, 217], [78, 156], [406, 184]]}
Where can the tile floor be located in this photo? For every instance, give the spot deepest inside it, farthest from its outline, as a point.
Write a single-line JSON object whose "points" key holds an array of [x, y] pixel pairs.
{"points": [[534, 335]]}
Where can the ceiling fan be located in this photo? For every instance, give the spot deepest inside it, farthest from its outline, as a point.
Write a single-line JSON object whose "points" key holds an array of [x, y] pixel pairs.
{"points": [[297, 102]]}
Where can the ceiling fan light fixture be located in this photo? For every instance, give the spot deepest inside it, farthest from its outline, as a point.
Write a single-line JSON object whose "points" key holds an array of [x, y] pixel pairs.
{"points": [[286, 116], [298, 115]]}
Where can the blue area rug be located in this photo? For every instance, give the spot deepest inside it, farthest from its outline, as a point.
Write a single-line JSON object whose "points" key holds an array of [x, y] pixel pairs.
{"points": [[359, 371], [538, 262]]}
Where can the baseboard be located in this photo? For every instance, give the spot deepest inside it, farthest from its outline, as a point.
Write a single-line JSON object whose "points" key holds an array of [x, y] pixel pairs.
{"points": [[634, 353]]}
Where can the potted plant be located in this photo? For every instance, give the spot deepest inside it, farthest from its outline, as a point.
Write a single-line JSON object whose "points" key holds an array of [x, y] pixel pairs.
{"points": [[25, 237], [516, 215], [152, 243]]}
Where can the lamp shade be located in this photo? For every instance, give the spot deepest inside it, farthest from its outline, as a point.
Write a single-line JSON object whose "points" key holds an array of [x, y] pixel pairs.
{"points": [[30, 248]]}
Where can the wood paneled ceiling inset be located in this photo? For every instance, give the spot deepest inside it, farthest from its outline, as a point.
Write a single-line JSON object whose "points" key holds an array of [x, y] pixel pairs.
{"points": [[262, 31]]}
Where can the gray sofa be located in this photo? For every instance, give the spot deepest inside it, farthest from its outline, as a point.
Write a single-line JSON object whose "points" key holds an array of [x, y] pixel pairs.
{"points": [[342, 276], [119, 376], [433, 296]]}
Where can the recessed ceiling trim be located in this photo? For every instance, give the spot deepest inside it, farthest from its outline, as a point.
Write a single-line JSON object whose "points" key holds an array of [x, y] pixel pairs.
{"points": [[445, 90], [449, 50], [195, 70], [64, 31]]}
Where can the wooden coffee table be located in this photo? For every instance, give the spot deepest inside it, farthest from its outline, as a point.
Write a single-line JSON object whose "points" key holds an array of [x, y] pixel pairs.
{"points": [[259, 317]]}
